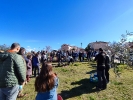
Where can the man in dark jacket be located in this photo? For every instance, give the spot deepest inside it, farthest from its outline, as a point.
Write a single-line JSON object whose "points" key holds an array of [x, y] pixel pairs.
{"points": [[101, 58], [107, 64], [89, 55], [80, 56], [12, 73], [35, 64]]}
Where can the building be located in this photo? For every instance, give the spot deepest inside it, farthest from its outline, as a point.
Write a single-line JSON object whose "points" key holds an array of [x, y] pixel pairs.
{"points": [[67, 47], [99, 44]]}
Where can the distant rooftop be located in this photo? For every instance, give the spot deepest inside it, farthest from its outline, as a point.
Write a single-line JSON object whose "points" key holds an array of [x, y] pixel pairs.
{"points": [[100, 42]]}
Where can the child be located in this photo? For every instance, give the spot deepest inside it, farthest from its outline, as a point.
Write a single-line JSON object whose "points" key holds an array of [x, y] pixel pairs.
{"points": [[46, 83], [29, 68]]}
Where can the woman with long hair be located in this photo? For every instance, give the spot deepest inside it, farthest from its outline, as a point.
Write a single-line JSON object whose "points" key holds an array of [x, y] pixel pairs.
{"points": [[22, 53], [46, 83]]}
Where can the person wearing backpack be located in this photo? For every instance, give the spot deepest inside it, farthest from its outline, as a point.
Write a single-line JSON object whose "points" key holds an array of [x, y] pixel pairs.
{"points": [[12, 73]]}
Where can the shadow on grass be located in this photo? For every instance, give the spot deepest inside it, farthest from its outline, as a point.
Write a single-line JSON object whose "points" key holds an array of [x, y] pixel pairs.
{"points": [[84, 88], [84, 62], [93, 65], [59, 65], [93, 71]]}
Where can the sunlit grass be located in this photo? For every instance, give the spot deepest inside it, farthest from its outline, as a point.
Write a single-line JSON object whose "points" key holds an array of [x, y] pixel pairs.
{"points": [[74, 84]]}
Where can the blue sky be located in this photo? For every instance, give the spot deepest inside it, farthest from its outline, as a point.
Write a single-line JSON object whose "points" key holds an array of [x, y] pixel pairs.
{"points": [[40, 23]]}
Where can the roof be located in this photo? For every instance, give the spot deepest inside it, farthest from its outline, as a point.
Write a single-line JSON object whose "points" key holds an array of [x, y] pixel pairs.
{"points": [[99, 42]]}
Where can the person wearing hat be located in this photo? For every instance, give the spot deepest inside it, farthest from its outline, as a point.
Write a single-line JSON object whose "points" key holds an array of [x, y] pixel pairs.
{"points": [[101, 58]]}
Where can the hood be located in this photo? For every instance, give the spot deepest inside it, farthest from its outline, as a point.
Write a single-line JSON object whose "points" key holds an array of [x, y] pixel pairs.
{"points": [[3, 56]]}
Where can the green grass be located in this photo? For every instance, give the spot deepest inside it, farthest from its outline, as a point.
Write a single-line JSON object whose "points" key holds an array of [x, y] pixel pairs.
{"points": [[74, 84]]}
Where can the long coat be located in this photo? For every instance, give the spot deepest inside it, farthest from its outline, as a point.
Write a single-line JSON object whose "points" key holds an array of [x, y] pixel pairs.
{"points": [[29, 68]]}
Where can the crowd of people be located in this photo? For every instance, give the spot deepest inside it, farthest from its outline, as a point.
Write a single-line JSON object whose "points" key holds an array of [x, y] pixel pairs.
{"points": [[16, 68], [65, 56]]}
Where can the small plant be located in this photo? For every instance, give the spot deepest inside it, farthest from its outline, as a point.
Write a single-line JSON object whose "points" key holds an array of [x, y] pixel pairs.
{"points": [[117, 83], [118, 69], [64, 70], [91, 98]]}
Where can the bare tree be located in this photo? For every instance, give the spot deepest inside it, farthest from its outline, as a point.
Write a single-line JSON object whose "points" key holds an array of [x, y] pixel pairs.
{"points": [[4, 47], [122, 50], [48, 48]]}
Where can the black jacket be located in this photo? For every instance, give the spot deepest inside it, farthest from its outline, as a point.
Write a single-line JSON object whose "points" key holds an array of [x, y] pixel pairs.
{"points": [[107, 63], [101, 59]]}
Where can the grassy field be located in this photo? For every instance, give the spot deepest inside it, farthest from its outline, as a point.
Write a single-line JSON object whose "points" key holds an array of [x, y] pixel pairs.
{"points": [[74, 84]]}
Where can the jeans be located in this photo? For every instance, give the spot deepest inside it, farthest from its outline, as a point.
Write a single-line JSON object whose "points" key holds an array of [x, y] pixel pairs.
{"points": [[36, 69], [102, 82], [9, 93]]}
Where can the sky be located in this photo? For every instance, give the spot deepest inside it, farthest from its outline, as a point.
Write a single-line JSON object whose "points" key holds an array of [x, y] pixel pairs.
{"points": [[36, 24]]}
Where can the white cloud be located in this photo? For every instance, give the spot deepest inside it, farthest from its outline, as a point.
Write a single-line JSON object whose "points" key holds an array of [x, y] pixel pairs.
{"points": [[28, 49]]}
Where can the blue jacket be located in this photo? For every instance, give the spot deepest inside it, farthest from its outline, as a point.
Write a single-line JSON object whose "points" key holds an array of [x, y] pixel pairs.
{"points": [[50, 95], [35, 61]]}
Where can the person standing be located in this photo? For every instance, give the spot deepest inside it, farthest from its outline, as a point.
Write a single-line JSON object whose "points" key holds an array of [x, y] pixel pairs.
{"points": [[80, 56], [107, 64], [44, 57], [36, 64], [89, 55], [65, 56], [59, 55], [101, 58], [29, 67], [12, 73], [22, 52]]}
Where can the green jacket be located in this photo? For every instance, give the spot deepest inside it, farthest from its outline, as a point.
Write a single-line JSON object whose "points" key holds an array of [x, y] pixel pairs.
{"points": [[12, 69]]}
